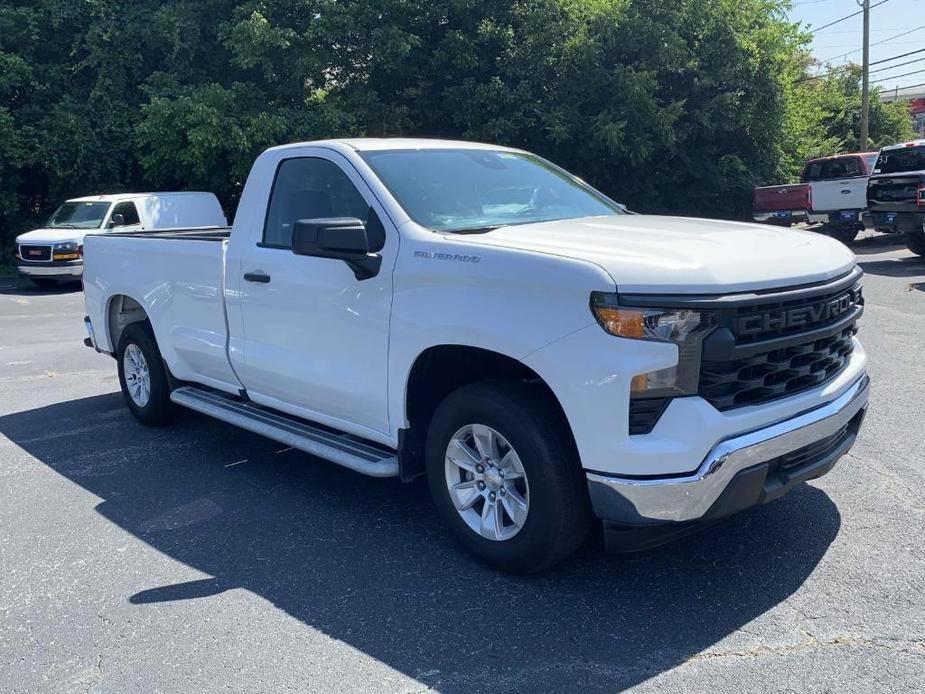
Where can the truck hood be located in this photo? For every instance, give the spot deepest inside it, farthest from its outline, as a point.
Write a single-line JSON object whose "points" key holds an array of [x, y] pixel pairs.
{"points": [[679, 255], [53, 235]]}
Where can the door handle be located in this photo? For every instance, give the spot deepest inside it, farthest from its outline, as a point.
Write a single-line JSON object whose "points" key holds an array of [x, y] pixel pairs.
{"points": [[261, 277]]}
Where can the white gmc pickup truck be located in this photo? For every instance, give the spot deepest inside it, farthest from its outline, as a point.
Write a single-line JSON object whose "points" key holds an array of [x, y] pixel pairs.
{"points": [[477, 315]]}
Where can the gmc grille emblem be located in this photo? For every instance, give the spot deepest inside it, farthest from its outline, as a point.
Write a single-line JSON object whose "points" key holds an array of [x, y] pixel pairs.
{"points": [[35, 252], [811, 315]]}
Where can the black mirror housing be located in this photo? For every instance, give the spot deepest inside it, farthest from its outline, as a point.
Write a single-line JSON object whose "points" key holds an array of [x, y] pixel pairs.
{"points": [[343, 238], [340, 238], [117, 221]]}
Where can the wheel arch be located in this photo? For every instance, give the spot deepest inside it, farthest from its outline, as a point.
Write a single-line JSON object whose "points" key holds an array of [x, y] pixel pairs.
{"points": [[121, 311], [442, 369]]}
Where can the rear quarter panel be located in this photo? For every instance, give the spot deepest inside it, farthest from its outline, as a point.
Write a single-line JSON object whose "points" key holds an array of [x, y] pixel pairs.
{"points": [[179, 285]]}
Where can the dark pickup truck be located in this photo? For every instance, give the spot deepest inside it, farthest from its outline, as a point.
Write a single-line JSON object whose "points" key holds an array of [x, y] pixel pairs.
{"points": [[896, 194]]}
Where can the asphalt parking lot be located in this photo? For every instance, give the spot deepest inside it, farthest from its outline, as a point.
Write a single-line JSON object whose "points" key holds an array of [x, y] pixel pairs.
{"points": [[201, 558]]}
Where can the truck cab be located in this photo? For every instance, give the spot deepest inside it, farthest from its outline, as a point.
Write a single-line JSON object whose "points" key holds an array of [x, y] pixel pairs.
{"points": [[54, 253]]}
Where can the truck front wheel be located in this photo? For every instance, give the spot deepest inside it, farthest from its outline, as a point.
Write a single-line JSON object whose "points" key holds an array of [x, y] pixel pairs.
{"points": [[143, 376], [505, 476]]}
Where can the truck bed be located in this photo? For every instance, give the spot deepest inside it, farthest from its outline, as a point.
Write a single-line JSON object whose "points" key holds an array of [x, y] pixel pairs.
{"points": [[182, 278], [180, 234], [782, 204]]}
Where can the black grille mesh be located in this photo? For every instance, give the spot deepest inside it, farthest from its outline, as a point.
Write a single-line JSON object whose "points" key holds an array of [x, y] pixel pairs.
{"points": [[38, 253], [775, 374]]}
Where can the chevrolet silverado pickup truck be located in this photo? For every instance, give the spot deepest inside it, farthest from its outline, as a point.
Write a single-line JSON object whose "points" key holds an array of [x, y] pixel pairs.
{"points": [[54, 253], [832, 192], [896, 193], [476, 315]]}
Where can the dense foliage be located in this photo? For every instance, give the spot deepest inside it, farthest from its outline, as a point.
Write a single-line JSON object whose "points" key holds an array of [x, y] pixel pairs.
{"points": [[667, 105]]}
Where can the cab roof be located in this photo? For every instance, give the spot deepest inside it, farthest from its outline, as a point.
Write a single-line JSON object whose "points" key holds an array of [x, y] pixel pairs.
{"points": [[901, 145], [374, 144], [843, 154]]}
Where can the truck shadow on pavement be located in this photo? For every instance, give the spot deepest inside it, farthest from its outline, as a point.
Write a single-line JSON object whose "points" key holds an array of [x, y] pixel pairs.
{"points": [[913, 266], [367, 562]]}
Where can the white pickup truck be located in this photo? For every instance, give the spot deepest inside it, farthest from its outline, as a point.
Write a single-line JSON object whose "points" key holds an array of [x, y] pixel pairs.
{"points": [[838, 191], [477, 315], [54, 253]]}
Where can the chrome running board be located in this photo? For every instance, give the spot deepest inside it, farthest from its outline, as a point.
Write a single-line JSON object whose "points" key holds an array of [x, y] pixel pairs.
{"points": [[362, 456]]}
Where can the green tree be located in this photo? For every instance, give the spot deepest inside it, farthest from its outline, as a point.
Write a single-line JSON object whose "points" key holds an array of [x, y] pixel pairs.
{"points": [[677, 106]]}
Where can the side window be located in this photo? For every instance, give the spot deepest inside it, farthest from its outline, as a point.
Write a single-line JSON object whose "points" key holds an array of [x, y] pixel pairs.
{"points": [[129, 214], [309, 188], [813, 171], [842, 168]]}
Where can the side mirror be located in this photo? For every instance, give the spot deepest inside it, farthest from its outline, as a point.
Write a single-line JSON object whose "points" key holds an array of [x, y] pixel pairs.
{"points": [[339, 238], [117, 220]]}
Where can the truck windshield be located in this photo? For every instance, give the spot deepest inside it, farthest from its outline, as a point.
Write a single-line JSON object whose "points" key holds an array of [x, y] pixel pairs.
{"points": [[459, 190], [79, 215], [897, 160]]}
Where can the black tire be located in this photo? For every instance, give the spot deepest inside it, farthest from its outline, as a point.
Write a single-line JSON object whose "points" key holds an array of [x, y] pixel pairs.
{"points": [[158, 409], [44, 282], [559, 514], [915, 242], [846, 235]]}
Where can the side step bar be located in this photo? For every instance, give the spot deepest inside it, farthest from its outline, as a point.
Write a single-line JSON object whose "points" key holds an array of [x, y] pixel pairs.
{"points": [[364, 457]]}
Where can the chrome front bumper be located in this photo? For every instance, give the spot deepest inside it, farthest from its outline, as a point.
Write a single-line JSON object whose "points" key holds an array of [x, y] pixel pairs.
{"points": [[66, 270], [700, 495]]}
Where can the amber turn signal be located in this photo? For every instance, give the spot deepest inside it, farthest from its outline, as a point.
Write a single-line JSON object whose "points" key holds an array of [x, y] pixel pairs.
{"points": [[621, 322]]}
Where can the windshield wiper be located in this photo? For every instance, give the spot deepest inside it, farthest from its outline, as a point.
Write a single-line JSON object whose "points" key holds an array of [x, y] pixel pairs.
{"points": [[476, 230]]}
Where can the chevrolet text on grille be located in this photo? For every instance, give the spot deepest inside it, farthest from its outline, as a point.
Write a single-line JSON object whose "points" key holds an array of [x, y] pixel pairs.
{"points": [[800, 316]]}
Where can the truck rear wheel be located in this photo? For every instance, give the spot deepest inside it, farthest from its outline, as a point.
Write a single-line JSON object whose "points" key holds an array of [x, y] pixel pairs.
{"points": [[505, 476], [143, 376], [915, 242]]}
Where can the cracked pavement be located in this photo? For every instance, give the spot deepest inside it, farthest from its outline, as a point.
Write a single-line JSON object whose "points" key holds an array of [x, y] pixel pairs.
{"points": [[200, 558]]}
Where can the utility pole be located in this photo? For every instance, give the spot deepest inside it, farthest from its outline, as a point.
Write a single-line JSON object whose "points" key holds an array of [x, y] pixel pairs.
{"points": [[865, 87]]}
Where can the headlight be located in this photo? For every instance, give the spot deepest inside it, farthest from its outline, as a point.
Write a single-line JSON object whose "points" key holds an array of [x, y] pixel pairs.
{"points": [[684, 327], [66, 251]]}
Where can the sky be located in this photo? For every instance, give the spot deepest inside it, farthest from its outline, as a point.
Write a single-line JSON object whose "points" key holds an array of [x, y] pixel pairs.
{"points": [[886, 21]]}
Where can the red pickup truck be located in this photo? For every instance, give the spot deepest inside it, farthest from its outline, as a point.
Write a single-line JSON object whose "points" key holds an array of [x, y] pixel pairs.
{"points": [[832, 191]]}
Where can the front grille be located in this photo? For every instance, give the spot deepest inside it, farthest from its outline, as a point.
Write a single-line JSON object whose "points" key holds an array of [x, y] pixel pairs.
{"points": [[777, 373], [36, 253]]}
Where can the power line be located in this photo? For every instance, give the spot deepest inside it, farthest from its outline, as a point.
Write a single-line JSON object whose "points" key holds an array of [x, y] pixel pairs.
{"points": [[842, 68], [897, 57], [905, 33], [896, 77], [890, 67], [908, 86], [855, 14]]}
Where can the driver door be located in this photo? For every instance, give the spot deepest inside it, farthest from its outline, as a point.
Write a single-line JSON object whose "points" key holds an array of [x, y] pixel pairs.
{"points": [[315, 338]]}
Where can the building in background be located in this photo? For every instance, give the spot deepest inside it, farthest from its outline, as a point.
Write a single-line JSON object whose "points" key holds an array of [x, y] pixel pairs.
{"points": [[915, 100]]}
